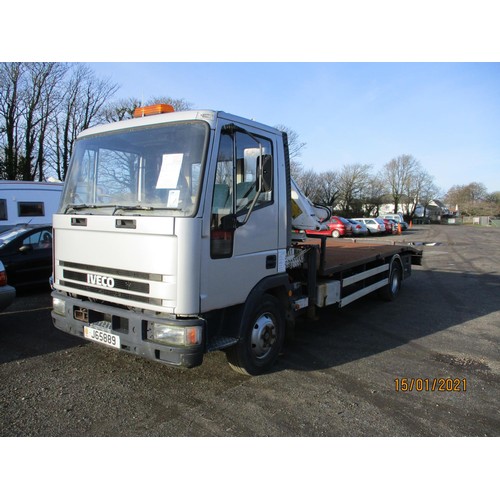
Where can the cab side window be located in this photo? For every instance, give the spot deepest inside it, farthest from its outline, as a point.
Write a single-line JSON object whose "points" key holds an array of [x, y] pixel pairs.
{"points": [[221, 244], [237, 187]]}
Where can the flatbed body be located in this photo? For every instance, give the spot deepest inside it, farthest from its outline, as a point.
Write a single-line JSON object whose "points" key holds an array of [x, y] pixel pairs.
{"points": [[338, 256]]}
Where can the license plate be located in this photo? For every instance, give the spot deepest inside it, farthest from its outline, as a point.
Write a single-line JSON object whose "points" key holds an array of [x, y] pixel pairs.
{"points": [[106, 338]]}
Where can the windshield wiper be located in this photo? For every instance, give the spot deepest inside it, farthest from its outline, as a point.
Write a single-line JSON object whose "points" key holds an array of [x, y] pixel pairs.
{"points": [[131, 207], [113, 206], [117, 208], [83, 205]]}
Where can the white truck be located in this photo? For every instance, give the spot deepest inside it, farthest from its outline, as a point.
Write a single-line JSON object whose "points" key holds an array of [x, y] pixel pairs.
{"points": [[180, 233], [24, 202]]}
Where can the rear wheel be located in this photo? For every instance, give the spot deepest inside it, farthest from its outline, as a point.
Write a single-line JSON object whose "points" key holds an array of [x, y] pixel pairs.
{"points": [[262, 340], [335, 233], [391, 290]]}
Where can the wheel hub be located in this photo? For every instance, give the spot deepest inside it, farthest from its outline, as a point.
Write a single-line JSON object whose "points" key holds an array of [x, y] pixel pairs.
{"points": [[263, 335], [395, 283]]}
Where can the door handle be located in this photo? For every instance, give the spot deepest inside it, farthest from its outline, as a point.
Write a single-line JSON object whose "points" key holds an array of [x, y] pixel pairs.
{"points": [[271, 262]]}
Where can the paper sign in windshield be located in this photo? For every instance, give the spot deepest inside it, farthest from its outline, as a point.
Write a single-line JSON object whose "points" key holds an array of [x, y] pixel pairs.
{"points": [[169, 172], [173, 198]]}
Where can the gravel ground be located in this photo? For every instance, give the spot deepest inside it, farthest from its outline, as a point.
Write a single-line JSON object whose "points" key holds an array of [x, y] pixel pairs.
{"points": [[340, 377]]}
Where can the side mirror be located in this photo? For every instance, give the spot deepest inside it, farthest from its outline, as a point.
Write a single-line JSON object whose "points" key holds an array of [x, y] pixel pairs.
{"points": [[229, 222], [265, 173]]}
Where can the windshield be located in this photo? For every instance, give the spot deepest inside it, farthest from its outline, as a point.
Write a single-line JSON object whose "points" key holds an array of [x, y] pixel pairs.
{"points": [[156, 169], [11, 234]]}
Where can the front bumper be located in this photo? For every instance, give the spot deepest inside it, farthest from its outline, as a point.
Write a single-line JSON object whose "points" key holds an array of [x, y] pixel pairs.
{"points": [[131, 327]]}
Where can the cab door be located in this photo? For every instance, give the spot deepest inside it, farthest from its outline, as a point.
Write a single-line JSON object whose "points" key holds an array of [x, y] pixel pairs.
{"points": [[244, 217]]}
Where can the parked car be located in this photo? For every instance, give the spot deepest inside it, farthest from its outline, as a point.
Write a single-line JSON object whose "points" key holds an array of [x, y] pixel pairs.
{"points": [[7, 292], [403, 224], [358, 228], [337, 226], [390, 225], [398, 218], [374, 227], [26, 253], [347, 223], [395, 223]]}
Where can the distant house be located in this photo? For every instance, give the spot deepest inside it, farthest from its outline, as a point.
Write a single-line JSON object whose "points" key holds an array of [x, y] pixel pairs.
{"points": [[405, 206], [436, 210]]}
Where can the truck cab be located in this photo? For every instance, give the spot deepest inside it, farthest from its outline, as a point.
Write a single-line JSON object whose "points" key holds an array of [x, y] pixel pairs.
{"points": [[168, 224]]}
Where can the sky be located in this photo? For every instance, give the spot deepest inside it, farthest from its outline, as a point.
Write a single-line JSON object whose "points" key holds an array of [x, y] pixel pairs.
{"points": [[446, 115], [358, 81]]}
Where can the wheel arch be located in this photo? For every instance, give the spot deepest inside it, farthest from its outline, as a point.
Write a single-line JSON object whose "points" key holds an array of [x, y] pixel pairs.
{"points": [[396, 258], [262, 328], [278, 286]]}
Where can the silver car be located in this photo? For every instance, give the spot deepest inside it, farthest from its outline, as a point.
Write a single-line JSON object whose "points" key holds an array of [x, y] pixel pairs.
{"points": [[7, 292], [373, 226], [358, 227]]}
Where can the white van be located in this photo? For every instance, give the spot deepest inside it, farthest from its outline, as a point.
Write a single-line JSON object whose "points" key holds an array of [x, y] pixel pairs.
{"points": [[396, 217], [24, 202]]}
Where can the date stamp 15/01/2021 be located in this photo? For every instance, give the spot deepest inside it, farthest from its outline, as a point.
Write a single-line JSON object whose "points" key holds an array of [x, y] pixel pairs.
{"points": [[410, 384]]}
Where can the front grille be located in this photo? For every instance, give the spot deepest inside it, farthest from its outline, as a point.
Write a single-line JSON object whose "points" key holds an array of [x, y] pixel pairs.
{"points": [[132, 286], [110, 282], [109, 270], [112, 293]]}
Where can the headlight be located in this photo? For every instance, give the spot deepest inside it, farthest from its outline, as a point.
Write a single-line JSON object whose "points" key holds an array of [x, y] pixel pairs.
{"points": [[59, 306], [175, 335]]}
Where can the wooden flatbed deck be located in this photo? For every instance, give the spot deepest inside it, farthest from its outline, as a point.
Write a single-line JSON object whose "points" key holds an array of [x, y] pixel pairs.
{"points": [[340, 255]]}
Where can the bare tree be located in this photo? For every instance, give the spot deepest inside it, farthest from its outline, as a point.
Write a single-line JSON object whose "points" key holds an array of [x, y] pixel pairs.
{"points": [[27, 102], [373, 195], [83, 106], [352, 182], [49, 105], [420, 189], [492, 203], [11, 76], [327, 189], [295, 147], [42, 80], [178, 104], [308, 182], [123, 109], [472, 198], [397, 173]]}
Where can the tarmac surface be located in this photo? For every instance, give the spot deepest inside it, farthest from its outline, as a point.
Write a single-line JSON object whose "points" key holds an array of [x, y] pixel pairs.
{"points": [[427, 364]]}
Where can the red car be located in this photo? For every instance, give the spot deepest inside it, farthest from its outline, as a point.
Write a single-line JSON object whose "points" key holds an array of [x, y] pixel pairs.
{"points": [[389, 225], [337, 226]]}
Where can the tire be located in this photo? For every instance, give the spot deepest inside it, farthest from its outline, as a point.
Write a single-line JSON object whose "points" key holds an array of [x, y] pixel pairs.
{"points": [[391, 290], [335, 234], [262, 340]]}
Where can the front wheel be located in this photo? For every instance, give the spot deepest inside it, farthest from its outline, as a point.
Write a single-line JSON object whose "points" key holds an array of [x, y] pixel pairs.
{"points": [[262, 340]]}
